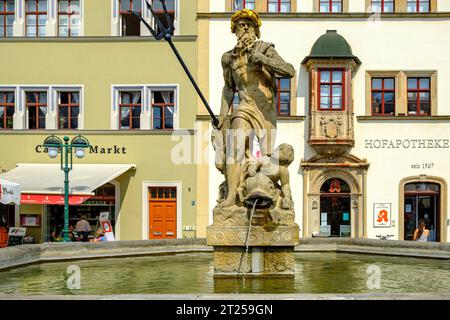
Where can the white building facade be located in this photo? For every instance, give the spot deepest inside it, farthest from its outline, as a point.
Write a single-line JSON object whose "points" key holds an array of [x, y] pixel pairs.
{"points": [[368, 112]]}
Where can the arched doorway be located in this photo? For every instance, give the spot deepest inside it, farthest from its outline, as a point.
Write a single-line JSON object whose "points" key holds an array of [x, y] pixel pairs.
{"points": [[335, 217], [422, 201]]}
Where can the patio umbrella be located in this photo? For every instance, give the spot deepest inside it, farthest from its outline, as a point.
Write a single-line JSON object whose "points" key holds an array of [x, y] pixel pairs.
{"points": [[9, 192]]}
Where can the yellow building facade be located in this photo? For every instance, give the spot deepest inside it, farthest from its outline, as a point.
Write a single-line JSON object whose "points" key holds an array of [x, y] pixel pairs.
{"points": [[87, 67]]}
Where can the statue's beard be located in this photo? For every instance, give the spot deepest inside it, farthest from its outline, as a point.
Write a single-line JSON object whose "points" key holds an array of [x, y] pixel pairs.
{"points": [[245, 41]]}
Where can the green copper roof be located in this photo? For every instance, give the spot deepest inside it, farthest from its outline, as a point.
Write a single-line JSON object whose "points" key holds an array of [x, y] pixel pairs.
{"points": [[331, 45]]}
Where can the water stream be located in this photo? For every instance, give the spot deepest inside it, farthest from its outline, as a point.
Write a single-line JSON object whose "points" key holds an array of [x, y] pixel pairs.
{"points": [[245, 256]]}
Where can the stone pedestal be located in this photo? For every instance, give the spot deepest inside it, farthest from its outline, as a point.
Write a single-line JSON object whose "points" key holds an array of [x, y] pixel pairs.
{"points": [[270, 252]]}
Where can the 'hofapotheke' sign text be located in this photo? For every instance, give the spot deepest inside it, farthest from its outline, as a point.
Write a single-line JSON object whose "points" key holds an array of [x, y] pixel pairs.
{"points": [[407, 143]]}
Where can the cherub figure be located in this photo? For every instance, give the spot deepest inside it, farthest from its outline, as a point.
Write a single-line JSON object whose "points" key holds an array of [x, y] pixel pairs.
{"points": [[276, 168]]}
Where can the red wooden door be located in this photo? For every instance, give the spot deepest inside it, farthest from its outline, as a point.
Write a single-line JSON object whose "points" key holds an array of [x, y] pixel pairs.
{"points": [[162, 213]]}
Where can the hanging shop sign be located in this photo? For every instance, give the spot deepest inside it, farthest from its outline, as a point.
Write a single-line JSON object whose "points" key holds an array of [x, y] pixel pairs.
{"points": [[381, 215]]}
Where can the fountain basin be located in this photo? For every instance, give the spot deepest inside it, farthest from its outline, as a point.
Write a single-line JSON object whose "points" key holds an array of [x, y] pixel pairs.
{"points": [[325, 269]]}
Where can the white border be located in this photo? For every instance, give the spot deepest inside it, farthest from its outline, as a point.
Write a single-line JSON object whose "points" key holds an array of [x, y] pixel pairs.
{"points": [[145, 222]]}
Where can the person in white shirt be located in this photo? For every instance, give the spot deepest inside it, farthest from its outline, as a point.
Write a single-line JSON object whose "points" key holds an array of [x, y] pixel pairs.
{"points": [[83, 228]]}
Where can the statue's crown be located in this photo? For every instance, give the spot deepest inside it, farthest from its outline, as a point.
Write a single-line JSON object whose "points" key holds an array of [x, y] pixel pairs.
{"points": [[246, 13]]}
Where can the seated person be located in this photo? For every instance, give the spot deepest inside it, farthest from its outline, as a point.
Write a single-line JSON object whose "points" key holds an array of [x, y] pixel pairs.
{"points": [[52, 236], [74, 236], [99, 235]]}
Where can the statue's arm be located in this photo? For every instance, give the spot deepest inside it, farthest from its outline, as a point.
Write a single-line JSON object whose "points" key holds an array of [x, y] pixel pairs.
{"points": [[272, 61], [228, 89], [284, 180]]}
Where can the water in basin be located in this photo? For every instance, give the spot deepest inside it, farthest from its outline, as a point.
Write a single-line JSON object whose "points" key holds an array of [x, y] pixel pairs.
{"points": [[193, 274]]}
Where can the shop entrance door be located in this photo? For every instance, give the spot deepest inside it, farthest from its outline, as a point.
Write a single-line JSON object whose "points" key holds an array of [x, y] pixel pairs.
{"points": [[335, 209], [422, 202], [162, 212]]}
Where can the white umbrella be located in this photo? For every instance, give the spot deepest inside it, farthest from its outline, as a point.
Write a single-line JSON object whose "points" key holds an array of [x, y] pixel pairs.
{"points": [[9, 192]]}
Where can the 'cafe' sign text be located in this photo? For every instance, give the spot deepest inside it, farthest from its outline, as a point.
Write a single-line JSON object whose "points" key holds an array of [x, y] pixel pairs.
{"points": [[115, 149]]}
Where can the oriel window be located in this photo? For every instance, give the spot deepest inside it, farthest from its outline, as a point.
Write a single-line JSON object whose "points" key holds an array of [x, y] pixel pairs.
{"points": [[36, 17], [331, 83], [6, 18], [383, 96], [419, 96], [36, 103], [68, 110], [130, 105], [6, 110], [68, 18], [163, 108]]}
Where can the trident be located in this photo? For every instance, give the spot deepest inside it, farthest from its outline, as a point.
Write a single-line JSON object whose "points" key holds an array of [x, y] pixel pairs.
{"points": [[166, 34]]}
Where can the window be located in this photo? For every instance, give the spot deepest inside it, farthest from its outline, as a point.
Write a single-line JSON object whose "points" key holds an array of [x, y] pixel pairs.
{"points": [[159, 12], [331, 89], [163, 108], [419, 96], [284, 96], [36, 17], [418, 5], [383, 96], [382, 5], [68, 18], [163, 192], [131, 25], [6, 110], [130, 104], [241, 4], [37, 109], [330, 6], [68, 110], [6, 18], [279, 5]]}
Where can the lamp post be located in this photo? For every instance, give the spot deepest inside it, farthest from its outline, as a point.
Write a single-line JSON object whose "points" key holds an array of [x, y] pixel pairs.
{"points": [[56, 145]]}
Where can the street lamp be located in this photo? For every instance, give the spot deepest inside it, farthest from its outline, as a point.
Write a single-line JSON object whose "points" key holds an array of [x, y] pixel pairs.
{"points": [[56, 145]]}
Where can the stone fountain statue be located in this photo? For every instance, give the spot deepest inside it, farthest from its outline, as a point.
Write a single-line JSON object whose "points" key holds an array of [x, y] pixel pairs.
{"points": [[255, 210]]}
